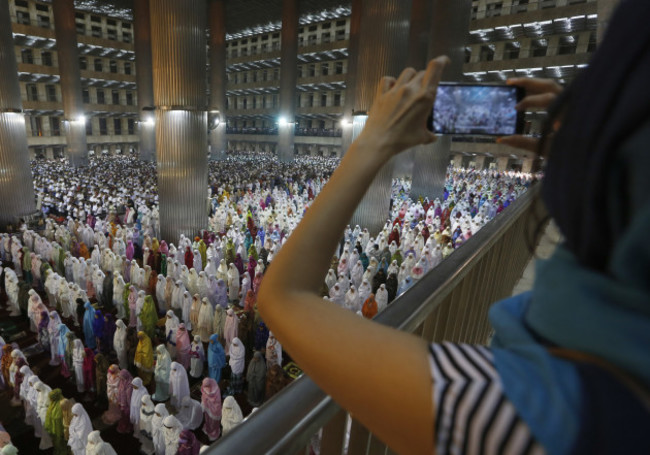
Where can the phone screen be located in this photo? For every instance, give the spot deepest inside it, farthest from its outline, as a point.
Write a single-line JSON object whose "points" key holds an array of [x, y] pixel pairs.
{"points": [[476, 109]]}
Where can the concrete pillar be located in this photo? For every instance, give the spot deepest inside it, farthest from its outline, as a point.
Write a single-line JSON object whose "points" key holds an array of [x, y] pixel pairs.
{"points": [[527, 164], [218, 79], [605, 9], [419, 37], [383, 37], [502, 163], [144, 80], [179, 61], [16, 185], [351, 77], [449, 33], [458, 160], [288, 80], [553, 44], [499, 49], [480, 162], [583, 42], [73, 108]]}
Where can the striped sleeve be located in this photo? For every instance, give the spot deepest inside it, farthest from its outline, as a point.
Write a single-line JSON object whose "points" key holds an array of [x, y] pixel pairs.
{"points": [[473, 416]]}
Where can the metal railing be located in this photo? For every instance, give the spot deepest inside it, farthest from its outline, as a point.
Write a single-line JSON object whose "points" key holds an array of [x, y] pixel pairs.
{"points": [[450, 303]]}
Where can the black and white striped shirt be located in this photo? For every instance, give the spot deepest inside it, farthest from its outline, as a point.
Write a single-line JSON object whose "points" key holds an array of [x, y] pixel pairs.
{"points": [[473, 416]]}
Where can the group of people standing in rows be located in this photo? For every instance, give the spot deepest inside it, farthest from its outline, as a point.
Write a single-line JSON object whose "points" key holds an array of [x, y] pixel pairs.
{"points": [[150, 314]]}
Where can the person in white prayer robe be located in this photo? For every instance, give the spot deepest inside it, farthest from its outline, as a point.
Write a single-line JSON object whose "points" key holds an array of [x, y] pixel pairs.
{"points": [[11, 287], [193, 282], [197, 357], [337, 295], [80, 428], [246, 286], [160, 412], [190, 414], [119, 343], [177, 295], [171, 431], [139, 304], [352, 300], [206, 316], [171, 326], [78, 356], [364, 291], [178, 384], [231, 414], [97, 446], [381, 297], [144, 426], [42, 403], [330, 279], [139, 391], [222, 271], [186, 306], [233, 282]]}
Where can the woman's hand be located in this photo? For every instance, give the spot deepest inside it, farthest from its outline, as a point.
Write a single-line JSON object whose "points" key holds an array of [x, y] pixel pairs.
{"points": [[397, 119], [540, 94]]}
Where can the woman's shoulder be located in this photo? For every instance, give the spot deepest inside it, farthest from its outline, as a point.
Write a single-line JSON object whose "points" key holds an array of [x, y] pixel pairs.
{"points": [[473, 414]]}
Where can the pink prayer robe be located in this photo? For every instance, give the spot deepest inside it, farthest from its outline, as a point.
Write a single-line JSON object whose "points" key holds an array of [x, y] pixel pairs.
{"points": [[183, 346]]}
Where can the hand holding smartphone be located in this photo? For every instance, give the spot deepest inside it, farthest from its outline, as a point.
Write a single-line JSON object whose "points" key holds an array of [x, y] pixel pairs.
{"points": [[477, 109]]}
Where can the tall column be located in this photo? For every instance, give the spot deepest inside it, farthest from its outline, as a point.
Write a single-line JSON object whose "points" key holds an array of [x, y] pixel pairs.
{"points": [[480, 162], [449, 32], [351, 77], [179, 61], [144, 80], [383, 37], [218, 79], [73, 108], [419, 37], [288, 80], [605, 10], [16, 185], [502, 163]]}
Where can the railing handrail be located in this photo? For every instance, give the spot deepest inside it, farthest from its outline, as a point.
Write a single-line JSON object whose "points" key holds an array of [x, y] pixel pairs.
{"points": [[285, 424]]}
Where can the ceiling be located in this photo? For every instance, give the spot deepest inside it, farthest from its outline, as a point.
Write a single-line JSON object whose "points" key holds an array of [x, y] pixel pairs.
{"points": [[241, 14]]}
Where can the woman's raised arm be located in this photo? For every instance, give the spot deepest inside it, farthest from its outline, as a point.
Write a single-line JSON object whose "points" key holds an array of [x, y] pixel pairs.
{"points": [[378, 374]]}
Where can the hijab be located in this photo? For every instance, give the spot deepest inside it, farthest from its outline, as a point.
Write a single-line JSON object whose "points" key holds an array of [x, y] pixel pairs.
{"points": [[592, 295], [80, 425], [139, 391], [605, 104]]}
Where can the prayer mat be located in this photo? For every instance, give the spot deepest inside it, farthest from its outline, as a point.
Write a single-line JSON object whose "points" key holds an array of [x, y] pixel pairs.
{"points": [[292, 370]]}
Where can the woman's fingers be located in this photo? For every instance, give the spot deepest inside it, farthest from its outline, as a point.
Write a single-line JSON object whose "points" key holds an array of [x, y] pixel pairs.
{"points": [[542, 101], [519, 141], [385, 84], [406, 76], [535, 86], [434, 70]]}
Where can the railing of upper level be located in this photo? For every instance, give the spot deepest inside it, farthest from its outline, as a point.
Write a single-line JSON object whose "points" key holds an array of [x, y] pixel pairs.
{"points": [[298, 131], [450, 303]]}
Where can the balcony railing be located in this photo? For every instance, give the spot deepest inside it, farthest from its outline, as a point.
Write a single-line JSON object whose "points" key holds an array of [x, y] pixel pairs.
{"points": [[450, 303], [317, 132]]}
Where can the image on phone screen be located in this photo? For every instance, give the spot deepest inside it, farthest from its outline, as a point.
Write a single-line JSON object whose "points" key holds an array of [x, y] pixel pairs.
{"points": [[476, 109]]}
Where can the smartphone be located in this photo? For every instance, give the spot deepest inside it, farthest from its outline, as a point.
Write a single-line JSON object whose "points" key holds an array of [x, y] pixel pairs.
{"points": [[477, 109]]}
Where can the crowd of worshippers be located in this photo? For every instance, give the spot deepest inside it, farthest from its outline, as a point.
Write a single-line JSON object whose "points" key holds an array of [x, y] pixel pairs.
{"points": [[103, 269]]}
